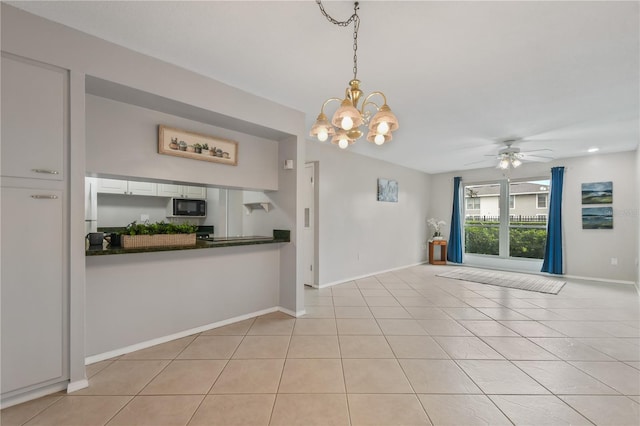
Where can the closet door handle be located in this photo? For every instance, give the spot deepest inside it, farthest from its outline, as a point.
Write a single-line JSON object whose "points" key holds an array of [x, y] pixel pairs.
{"points": [[45, 197], [46, 171]]}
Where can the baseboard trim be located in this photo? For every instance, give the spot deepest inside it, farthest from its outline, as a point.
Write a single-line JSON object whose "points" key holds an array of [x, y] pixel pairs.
{"points": [[601, 280], [147, 344], [295, 314], [35, 394], [77, 385], [342, 281]]}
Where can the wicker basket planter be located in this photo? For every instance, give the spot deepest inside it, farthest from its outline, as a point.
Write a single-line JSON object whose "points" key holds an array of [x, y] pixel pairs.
{"points": [[158, 240]]}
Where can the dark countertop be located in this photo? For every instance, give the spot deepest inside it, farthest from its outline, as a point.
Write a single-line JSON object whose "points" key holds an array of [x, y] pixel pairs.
{"points": [[279, 237]]}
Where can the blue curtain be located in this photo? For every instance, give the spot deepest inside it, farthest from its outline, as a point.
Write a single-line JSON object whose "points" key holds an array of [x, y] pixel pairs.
{"points": [[454, 249], [553, 248]]}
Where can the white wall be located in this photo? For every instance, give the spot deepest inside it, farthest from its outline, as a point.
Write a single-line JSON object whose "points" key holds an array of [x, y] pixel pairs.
{"points": [[637, 213], [587, 252], [122, 140], [359, 235]]}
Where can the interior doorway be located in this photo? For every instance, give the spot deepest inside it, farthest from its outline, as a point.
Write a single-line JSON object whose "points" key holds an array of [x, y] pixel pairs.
{"points": [[309, 229]]}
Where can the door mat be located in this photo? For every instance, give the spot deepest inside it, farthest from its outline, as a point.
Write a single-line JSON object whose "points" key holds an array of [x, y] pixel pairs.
{"points": [[506, 279]]}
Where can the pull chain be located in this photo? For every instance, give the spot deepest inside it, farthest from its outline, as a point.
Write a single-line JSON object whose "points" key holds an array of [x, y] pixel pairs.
{"points": [[356, 26]]}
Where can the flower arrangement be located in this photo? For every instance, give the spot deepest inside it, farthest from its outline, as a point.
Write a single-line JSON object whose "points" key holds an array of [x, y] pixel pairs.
{"points": [[436, 224]]}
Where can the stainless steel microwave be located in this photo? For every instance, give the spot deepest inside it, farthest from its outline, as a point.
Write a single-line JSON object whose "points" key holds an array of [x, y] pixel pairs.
{"points": [[187, 207]]}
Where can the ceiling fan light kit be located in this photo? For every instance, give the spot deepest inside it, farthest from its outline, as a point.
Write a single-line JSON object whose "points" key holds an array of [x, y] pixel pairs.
{"points": [[348, 118]]}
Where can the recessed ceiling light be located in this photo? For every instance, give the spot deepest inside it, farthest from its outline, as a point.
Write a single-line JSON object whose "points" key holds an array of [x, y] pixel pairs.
{"points": [[594, 149]]}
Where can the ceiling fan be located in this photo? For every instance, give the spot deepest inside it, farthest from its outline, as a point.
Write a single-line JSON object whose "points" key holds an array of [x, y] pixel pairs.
{"points": [[511, 156]]}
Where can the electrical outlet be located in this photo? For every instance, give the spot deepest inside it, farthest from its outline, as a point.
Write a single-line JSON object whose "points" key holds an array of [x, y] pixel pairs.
{"points": [[614, 261]]}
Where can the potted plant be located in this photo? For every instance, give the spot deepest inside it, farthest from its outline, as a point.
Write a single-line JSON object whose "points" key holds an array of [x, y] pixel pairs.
{"points": [[159, 234], [205, 148], [182, 146], [191, 148], [436, 225], [174, 143], [198, 148]]}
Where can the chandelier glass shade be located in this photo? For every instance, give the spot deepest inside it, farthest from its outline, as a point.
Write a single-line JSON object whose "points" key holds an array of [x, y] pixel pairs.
{"points": [[345, 123]]}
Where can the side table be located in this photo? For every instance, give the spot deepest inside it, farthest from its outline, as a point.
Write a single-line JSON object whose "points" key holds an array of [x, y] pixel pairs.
{"points": [[443, 252]]}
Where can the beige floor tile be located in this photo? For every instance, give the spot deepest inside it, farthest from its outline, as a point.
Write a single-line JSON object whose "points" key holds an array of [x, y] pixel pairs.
{"points": [[314, 347], [634, 364], [275, 315], [443, 327], [417, 302], [369, 285], [346, 292], [540, 314], [374, 376], [606, 410], [387, 410], [500, 377], [420, 313], [448, 302], [249, 376], [503, 314], [318, 301], [21, 413], [319, 312], [272, 327], [168, 350], [234, 410], [570, 349], [96, 367], [318, 327], [623, 378], [381, 301], [576, 329], [312, 376], [349, 301], [619, 329], [353, 312], [518, 348], [531, 329], [123, 377], [462, 410], [239, 328], [466, 348], [416, 347], [185, 377], [563, 378], [402, 292], [401, 327], [358, 326], [396, 285], [437, 376], [253, 347], [365, 347], [481, 302], [211, 347], [622, 349], [465, 314], [636, 398], [310, 410], [538, 410], [174, 410], [488, 328], [375, 292], [391, 312], [80, 410]]}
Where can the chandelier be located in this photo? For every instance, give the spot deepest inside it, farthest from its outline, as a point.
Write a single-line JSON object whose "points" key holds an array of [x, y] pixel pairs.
{"points": [[345, 124]]}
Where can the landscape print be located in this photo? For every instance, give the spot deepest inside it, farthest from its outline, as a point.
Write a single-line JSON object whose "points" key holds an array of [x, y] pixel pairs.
{"points": [[597, 193], [597, 218]]}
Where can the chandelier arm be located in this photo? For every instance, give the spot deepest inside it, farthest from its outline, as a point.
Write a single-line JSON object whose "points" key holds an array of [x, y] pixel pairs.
{"points": [[324, 104], [371, 95]]}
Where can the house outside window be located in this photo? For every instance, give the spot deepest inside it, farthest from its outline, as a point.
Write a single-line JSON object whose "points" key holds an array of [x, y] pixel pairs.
{"points": [[541, 201], [473, 203], [512, 201]]}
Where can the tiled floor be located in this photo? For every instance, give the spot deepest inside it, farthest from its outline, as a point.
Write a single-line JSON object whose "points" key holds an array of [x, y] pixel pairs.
{"points": [[401, 348]]}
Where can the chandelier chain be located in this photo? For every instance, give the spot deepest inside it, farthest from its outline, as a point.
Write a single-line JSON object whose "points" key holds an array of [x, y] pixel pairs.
{"points": [[356, 26]]}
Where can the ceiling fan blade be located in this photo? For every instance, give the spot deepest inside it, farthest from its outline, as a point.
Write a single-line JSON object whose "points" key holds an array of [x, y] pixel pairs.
{"points": [[529, 151], [537, 158]]}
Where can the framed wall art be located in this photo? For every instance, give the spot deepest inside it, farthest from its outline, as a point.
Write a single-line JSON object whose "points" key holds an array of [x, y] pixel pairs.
{"points": [[387, 190], [183, 143], [597, 218], [597, 193]]}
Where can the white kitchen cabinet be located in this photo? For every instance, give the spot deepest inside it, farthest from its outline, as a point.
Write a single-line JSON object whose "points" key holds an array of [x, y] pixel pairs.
{"points": [[34, 292], [181, 191], [118, 186], [34, 119]]}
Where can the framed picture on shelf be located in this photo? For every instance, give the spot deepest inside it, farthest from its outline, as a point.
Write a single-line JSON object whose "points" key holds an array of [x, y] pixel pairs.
{"points": [[183, 143]]}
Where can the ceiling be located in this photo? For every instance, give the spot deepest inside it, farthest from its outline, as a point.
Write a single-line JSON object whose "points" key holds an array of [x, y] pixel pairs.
{"points": [[462, 77]]}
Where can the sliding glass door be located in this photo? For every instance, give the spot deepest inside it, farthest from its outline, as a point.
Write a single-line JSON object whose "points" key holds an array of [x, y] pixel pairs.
{"points": [[506, 219]]}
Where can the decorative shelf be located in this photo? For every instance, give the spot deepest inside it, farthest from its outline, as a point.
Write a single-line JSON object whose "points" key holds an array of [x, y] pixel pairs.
{"points": [[266, 206]]}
